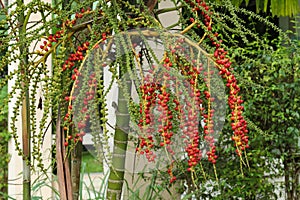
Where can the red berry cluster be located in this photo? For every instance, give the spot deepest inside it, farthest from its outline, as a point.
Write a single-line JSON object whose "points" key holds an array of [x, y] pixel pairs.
{"points": [[75, 57], [70, 23], [81, 125], [51, 39], [192, 147], [198, 6], [149, 94], [156, 96], [208, 118], [208, 134], [190, 119], [190, 129], [70, 64], [164, 101], [167, 64], [239, 125], [145, 146], [192, 104]]}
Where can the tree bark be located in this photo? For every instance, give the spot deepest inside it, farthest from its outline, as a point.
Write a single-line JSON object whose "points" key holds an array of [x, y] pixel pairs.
{"points": [[151, 4], [76, 157], [63, 170]]}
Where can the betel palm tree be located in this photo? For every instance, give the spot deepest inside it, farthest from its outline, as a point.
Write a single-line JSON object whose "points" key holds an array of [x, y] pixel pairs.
{"points": [[109, 19]]}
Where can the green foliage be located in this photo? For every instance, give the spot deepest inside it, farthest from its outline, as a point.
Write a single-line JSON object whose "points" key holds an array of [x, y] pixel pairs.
{"points": [[278, 7], [275, 77], [270, 74], [91, 187], [4, 137], [92, 164]]}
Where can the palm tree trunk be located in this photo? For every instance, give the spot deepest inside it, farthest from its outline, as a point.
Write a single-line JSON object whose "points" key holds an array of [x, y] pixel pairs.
{"points": [[116, 176]]}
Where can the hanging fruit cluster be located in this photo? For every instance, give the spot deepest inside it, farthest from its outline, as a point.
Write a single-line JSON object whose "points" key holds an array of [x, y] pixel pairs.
{"points": [[239, 125], [152, 94], [159, 94], [70, 67]]}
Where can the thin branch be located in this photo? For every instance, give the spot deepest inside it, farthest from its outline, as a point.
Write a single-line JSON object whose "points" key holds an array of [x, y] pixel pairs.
{"points": [[2, 5]]}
